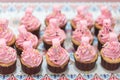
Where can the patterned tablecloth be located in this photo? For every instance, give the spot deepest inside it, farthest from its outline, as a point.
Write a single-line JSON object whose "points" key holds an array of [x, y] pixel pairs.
{"points": [[14, 11]]}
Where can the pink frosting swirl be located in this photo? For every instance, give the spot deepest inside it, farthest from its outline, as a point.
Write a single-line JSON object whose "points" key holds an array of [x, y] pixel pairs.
{"points": [[53, 31], [57, 15], [23, 36], [31, 22], [7, 54], [85, 51], [57, 54], [105, 14], [83, 32], [82, 14], [4, 31], [103, 34], [31, 56]]}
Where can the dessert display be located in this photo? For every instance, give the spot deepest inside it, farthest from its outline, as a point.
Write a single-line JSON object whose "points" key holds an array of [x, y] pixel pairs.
{"points": [[82, 14], [23, 36], [7, 33], [85, 56], [32, 24], [57, 57], [8, 58], [57, 14]]}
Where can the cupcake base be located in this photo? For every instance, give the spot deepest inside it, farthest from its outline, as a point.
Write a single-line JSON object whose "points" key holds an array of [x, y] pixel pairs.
{"points": [[99, 45], [75, 46], [57, 69], [85, 66], [37, 33], [19, 52], [31, 70], [47, 46], [109, 66], [8, 69], [96, 31]]}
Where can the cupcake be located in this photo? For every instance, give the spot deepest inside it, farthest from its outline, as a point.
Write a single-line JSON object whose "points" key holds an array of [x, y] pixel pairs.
{"points": [[6, 33], [105, 14], [51, 32], [80, 32], [85, 56], [110, 53], [8, 58], [30, 59], [32, 24], [82, 14], [63, 77], [104, 33], [23, 36], [62, 21], [57, 57]]}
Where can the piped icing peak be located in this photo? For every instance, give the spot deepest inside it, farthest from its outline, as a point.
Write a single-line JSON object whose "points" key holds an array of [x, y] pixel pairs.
{"points": [[29, 20], [83, 32], [53, 32], [81, 10], [31, 56], [56, 9], [23, 36], [105, 14], [57, 54], [104, 33], [85, 51], [7, 54], [82, 23], [46, 77], [83, 14], [53, 23], [58, 15], [27, 45], [55, 42], [105, 11], [96, 77], [29, 11], [85, 40]]}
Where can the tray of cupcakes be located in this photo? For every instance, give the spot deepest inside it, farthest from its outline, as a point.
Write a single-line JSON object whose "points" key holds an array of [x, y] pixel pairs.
{"points": [[61, 43]]}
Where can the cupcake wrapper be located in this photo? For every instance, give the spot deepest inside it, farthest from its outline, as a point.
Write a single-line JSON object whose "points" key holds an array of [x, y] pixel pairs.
{"points": [[57, 69], [13, 45], [96, 31], [47, 46], [109, 66], [75, 46], [36, 32], [8, 69], [99, 45], [19, 52], [85, 66], [32, 70]]}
